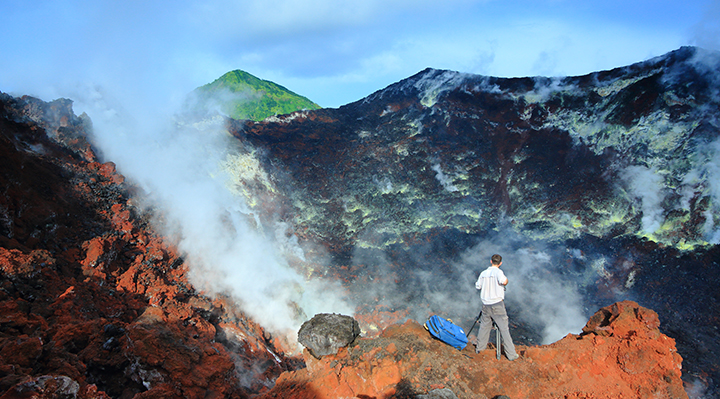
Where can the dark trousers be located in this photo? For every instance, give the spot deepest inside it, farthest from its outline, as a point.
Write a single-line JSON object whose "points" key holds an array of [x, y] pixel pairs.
{"points": [[496, 312]]}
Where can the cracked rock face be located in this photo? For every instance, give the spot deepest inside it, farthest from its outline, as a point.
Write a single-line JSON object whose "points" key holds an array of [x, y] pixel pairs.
{"points": [[325, 333]]}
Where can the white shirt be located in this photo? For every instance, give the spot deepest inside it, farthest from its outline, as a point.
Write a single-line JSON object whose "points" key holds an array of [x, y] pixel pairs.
{"points": [[489, 284]]}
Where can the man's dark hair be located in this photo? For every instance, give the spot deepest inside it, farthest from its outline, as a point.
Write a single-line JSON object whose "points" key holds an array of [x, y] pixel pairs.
{"points": [[496, 259]]}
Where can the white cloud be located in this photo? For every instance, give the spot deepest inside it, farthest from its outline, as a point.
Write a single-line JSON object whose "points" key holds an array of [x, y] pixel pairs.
{"points": [[331, 52]]}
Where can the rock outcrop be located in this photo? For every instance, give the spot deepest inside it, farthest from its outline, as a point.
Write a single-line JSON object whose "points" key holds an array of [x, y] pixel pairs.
{"points": [[325, 334], [620, 354]]}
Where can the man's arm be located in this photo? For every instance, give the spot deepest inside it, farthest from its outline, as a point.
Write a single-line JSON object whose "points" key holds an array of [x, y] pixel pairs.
{"points": [[501, 277]]}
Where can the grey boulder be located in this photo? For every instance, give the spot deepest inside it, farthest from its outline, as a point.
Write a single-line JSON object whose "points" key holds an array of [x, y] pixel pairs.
{"points": [[325, 333]]}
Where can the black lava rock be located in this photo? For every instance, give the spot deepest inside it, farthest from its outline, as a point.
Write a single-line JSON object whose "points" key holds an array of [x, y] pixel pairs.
{"points": [[325, 333]]}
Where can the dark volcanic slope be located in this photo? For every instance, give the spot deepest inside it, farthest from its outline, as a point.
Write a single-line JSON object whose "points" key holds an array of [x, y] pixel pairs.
{"points": [[550, 155], [607, 181]]}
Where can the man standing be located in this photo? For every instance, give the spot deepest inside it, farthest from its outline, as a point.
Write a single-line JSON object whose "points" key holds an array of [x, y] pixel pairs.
{"points": [[491, 283]]}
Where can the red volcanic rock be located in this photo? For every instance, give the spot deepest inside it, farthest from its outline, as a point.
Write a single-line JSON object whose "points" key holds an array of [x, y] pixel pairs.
{"points": [[620, 354], [53, 387], [14, 262], [374, 319], [93, 302]]}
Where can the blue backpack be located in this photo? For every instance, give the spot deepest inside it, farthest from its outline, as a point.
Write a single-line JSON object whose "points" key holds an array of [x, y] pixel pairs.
{"points": [[446, 331]]}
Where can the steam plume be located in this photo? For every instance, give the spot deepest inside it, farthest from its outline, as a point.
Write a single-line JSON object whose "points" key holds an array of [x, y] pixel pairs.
{"points": [[647, 185], [540, 293], [180, 168]]}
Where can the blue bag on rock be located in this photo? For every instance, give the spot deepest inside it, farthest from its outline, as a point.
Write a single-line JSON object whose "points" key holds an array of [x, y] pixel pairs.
{"points": [[446, 331]]}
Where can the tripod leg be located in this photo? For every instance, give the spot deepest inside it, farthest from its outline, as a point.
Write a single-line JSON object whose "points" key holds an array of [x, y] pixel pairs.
{"points": [[473, 326], [498, 341]]}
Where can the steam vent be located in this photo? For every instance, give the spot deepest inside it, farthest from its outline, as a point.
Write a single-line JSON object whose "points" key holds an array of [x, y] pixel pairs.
{"points": [[601, 192]]}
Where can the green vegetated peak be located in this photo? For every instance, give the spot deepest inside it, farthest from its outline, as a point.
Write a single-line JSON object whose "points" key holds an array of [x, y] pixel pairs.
{"points": [[241, 95]]}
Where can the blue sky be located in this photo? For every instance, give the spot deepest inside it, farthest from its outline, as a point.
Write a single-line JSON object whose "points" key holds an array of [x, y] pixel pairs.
{"points": [[333, 52]]}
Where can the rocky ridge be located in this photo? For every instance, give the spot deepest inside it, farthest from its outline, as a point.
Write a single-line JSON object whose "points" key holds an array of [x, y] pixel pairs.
{"points": [[559, 158], [618, 353]]}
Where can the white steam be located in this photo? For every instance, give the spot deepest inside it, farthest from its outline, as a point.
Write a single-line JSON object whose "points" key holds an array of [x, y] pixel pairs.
{"points": [[712, 174], [540, 296], [180, 168], [546, 298], [216, 103], [536, 291], [647, 185], [445, 180]]}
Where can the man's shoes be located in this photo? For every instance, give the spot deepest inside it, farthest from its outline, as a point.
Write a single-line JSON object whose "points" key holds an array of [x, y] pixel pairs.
{"points": [[514, 358]]}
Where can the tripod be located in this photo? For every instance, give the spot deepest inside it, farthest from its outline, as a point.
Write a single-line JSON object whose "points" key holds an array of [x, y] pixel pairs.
{"points": [[498, 339]]}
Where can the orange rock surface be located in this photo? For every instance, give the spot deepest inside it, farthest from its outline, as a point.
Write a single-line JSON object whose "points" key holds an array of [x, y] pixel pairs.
{"points": [[620, 354]]}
